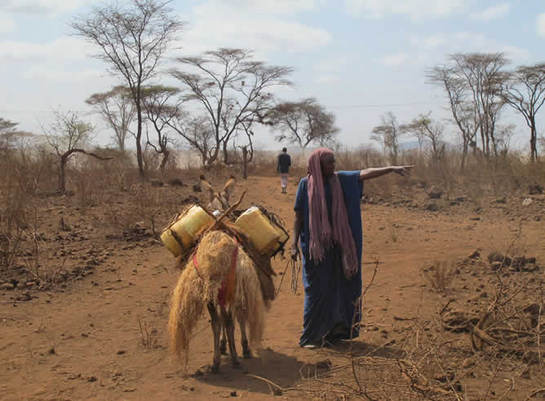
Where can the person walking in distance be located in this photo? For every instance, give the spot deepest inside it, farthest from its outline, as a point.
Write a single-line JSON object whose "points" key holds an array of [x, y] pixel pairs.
{"points": [[283, 167]]}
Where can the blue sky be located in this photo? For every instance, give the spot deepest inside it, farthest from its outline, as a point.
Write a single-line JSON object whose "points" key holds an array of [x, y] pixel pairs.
{"points": [[359, 58]]}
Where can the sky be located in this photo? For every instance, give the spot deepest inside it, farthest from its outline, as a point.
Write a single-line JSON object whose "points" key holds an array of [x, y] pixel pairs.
{"points": [[358, 58]]}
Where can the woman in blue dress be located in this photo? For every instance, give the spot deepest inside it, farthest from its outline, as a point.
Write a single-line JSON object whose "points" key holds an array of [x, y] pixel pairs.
{"points": [[328, 227]]}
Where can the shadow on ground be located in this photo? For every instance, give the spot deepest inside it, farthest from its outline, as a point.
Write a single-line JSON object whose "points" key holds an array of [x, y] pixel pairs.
{"points": [[360, 349], [278, 368]]}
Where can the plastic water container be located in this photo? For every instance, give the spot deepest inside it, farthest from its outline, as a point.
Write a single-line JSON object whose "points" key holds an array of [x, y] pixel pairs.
{"points": [[265, 236], [182, 233]]}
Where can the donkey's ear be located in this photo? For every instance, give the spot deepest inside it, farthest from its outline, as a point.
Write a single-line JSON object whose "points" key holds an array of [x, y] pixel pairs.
{"points": [[206, 186], [229, 186]]}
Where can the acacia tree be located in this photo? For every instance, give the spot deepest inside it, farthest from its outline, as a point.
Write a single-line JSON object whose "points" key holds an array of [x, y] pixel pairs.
{"points": [[117, 108], [68, 135], [425, 128], [483, 76], [302, 122], [387, 134], [464, 114], [197, 132], [231, 89], [159, 112], [131, 40], [525, 92]]}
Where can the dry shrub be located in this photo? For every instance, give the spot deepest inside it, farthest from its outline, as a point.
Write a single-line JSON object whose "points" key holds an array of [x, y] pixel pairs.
{"points": [[13, 221], [148, 334], [440, 275], [118, 173], [143, 206]]}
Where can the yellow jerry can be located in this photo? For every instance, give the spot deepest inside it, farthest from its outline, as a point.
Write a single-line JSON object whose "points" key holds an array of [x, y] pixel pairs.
{"points": [[182, 233], [265, 236]]}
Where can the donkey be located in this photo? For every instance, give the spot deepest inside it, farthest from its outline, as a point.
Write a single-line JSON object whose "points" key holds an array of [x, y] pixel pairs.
{"points": [[222, 277], [219, 202]]}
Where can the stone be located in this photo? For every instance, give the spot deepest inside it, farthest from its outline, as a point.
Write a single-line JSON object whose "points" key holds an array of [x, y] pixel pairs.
{"points": [[7, 286], [432, 207], [475, 255], [176, 182], [498, 257], [535, 189], [435, 194], [530, 267], [495, 266]]}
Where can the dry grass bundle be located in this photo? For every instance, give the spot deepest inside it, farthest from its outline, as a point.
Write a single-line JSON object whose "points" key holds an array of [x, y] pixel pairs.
{"points": [[185, 310], [248, 301], [199, 286]]}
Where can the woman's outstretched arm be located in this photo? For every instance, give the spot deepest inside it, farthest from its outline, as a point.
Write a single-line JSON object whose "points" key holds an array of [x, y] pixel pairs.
{"points": [[375, 172]]}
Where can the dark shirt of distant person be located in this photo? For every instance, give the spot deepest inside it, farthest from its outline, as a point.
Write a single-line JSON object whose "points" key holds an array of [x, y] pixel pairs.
{"points": [[283, 168]]}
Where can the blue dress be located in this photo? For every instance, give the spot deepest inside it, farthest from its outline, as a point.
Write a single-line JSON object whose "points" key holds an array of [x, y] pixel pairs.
{"points": [[332, 304]]}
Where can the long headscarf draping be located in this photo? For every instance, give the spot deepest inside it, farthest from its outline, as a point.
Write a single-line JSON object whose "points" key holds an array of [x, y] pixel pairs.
{"points": [[322, 235]]}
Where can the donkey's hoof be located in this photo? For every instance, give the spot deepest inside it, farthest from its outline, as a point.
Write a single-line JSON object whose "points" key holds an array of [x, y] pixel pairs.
{"points": [[236, 364], [247, 354], [215, 368]]}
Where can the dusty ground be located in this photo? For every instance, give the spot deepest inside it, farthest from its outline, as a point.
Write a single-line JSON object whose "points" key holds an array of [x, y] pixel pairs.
{"points": [[98, 332]]}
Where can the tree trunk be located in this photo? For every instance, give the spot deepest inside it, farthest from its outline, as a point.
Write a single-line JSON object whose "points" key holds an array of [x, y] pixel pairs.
{"points": [[244, 162], [464, 156], [533, 140], [139, 157], [62, 174], [225, 152], [164, 161]]}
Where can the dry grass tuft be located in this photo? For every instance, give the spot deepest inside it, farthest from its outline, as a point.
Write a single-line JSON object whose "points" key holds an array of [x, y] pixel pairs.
{"points": [[440, 275]]}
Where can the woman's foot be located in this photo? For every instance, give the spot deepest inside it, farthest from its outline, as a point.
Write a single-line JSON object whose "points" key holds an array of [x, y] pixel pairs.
{"points": [[337, 333], [314, 344]]}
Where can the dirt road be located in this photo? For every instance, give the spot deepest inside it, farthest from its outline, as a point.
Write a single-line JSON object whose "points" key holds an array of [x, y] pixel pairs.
{"points": [[103, 337]]}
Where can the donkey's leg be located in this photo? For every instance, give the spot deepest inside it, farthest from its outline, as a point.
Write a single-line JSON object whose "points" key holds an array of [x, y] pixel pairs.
{"points": [[223, 342], [227, 318], [216, 328], [246, 353]]}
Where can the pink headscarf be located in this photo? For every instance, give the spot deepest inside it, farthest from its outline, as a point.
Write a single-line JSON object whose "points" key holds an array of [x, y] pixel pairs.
{"points": [[322, 235]]}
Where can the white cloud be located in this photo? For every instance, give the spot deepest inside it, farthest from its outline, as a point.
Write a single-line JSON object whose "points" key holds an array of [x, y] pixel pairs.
{"points": [[63, 60], [52, 72], [42, 6], [62, 49], [334, 63], [415, 9], [428, 49], [275, 6], [330, 70], [492, 13], [217, 24], [327, 79], [7, 24], [541, 25], [394, 60]]}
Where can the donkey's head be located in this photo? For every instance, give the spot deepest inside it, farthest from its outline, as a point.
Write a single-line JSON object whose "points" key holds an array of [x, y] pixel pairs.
{"points": [[218, 200]]}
